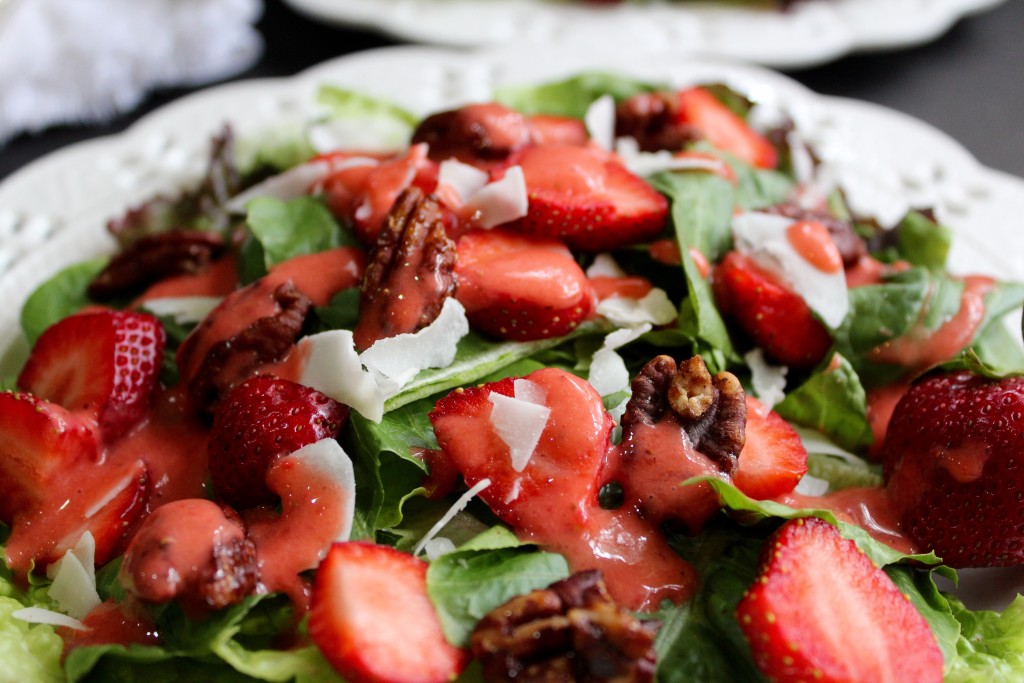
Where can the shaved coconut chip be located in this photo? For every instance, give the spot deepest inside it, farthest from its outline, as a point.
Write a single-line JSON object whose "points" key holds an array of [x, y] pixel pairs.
{"points": [[74, 586], [455, 509], [464, 179], [519, 422], [402, 357], [768, 380], [183, 310], [800, 158], [604, 265], [436, 547], [812, 486], [513, 493], [648, 163], [329, 459], [816, 442], [371, 133], [333, 367], [295, 182], [608, 372], [38, 615], [499, 202], [529, 391], [655, 308], [600, 122], [762, 237]]}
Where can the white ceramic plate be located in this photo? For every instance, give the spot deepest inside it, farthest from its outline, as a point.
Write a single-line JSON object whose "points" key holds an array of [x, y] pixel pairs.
{"points": [[810, 33], [53, 212]]}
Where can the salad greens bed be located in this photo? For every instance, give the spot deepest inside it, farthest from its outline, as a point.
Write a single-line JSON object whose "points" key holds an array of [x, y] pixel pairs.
{"points": [[699, 640]]}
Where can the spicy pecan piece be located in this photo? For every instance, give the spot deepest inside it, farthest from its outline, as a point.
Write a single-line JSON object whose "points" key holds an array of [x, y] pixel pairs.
{"points": [[652, 119], [850, 245], [711, 410], [411, 271], [212, 367], [193, 551], [570, 631], [480, 134], [155, 257]]}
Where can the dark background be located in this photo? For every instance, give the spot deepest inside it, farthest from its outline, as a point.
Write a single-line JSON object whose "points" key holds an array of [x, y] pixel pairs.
{"points": [[968, 83]]}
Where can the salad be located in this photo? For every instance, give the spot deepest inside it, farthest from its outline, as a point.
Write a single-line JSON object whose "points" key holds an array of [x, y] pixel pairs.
{"points": [[598, 380]]}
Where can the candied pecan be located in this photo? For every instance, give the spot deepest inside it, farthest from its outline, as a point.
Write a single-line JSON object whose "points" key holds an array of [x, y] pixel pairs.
{"points": [[153, 258], [266, 340], [570, 631], [411, 271], [193, 551], [851, 247], [482, 134], [652, 119], [712, 410]]}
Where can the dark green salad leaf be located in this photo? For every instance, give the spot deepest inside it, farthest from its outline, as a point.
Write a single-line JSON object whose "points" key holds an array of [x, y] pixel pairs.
{"points": [[59, 297], [570, 97]]}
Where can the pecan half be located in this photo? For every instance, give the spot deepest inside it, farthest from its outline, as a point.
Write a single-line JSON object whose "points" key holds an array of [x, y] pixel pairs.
{"points": [[652, 119], [411, 271], [711, 410], [153, 258], [193, 551], [480, 134], [570, 631], [850, 245], [230, 361]]}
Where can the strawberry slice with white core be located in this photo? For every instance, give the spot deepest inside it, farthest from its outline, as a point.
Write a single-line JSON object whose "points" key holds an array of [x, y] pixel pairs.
{"points": [[767, 240], [103, 363], [587, 198], [373, 621], [822, 611]]}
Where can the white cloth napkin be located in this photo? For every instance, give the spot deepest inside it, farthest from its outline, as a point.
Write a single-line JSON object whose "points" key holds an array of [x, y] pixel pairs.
{"points": [[64, 61]]}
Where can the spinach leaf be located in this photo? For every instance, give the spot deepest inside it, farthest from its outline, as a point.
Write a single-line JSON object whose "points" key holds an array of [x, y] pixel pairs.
{"points": [[296, 227], [570, 97], [59, 297], [923, 241]]}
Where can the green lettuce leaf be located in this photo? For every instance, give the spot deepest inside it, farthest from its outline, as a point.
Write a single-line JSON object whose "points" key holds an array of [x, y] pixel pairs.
{"points": [[59, 297], [991, 644], [469, 582], [570, 97], [296, 227]]}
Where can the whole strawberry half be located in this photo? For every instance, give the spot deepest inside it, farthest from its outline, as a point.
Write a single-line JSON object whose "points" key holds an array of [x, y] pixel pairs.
{"points": [[520, 287], [259, 421], [104, 363], [586, 198], [952, 463], [822, 611], [775, 317]]}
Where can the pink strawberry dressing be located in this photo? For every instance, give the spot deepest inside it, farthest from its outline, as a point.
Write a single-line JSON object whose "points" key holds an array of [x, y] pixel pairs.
{"points": [[812, 241]]}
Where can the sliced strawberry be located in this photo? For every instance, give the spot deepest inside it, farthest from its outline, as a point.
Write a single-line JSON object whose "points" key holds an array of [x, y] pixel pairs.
{"points": [[773, 459], [259, 421], [777, 319], [488, 136], [520, 287], [546, 129], [363, 195], [585, 197], [952, 463], [724, 129], [54, 488], [104, 363], [822, 611], [373, 621]]}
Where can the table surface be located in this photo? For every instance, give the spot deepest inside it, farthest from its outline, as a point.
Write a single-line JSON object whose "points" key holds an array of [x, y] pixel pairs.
{"points": [[968, 83]]}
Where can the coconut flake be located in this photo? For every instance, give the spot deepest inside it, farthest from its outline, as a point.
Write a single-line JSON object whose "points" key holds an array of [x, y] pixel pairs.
{"points": [[520, 420], [330, 460], [436, 547], [371, 133], [499, 202], [768, 380], [74, 578], [648, 163], [816, 442], [655, 308], [812, 486], [184, 310], [295, 182], [333, 367], [464, 179], [455, 509], [763, 238], [600, 121], [38, 615], [605, 265], [608, 372]]}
